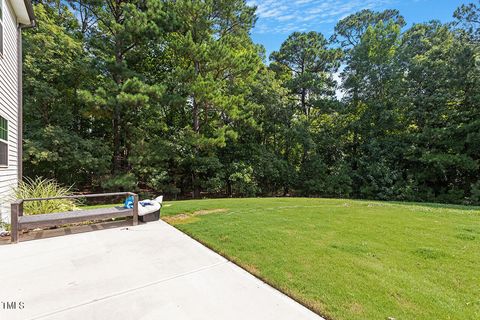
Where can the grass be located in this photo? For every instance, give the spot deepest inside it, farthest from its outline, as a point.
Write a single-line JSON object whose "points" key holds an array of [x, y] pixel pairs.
{"points": [[349, 259]]}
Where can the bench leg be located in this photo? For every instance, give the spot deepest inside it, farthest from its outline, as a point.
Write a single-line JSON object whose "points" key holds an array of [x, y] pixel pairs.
{"points": [[135, 210], [14, 238], [14, 222]]}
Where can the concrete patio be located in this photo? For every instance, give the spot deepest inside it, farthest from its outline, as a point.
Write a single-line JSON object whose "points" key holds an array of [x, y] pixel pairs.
{"points": [[150, 271]]}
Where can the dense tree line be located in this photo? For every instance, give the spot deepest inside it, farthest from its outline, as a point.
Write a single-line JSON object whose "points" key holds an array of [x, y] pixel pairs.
{"points": [[174, 97]]}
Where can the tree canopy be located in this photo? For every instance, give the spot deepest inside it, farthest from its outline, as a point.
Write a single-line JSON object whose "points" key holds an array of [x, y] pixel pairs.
{"points": [[174, 97]]}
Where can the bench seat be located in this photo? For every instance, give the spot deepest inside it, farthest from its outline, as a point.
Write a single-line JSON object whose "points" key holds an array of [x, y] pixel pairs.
{"points": [[19, 221], [61, 218]]}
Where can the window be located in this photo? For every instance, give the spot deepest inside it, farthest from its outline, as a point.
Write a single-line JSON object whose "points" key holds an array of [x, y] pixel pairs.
{"points": [[1, 28], [3, 142]]}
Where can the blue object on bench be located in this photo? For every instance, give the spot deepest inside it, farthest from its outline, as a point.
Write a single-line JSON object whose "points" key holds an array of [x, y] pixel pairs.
{"points": [[128, 204]]}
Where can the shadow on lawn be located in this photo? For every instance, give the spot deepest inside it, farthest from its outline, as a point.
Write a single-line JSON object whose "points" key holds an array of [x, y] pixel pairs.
{"points": [[423, 204]]}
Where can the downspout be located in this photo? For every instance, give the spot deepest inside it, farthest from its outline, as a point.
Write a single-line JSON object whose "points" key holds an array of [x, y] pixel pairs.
{"points": [[20, 106], [20, 27]]}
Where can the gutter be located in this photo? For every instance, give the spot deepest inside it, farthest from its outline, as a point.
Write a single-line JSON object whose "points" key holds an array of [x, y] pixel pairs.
{"points": [[31, 15]]}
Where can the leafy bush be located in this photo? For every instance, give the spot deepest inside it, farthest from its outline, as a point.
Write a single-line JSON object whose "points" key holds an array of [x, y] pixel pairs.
{"points": [[242, 180], [44, 188], [55, 152], [121, 182], [4, 227], [475, 192]]}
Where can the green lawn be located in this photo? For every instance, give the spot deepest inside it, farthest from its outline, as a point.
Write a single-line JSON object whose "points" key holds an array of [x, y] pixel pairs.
{"points": [[349, 259]]}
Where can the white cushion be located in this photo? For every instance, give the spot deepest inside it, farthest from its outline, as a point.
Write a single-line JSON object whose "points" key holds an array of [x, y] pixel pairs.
{"points": [[155, 206]]}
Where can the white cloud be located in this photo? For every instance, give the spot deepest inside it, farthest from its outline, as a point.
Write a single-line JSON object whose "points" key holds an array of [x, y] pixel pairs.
{"points": [[286, 16]]}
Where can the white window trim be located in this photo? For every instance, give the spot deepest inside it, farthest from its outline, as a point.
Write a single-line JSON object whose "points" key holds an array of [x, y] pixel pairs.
{"points": [[3, 166]]}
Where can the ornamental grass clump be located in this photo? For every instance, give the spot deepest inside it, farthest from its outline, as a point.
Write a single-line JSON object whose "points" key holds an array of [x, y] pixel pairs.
{"points": [[44, 188]]}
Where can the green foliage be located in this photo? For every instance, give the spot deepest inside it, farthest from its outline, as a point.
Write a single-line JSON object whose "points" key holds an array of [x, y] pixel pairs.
{"points": [[44, 188], [53, 152], [350, 30], [468, 15], [242, 180], [174, 97], [60, 141], [311, 63], [475, 192], [123, 182]]}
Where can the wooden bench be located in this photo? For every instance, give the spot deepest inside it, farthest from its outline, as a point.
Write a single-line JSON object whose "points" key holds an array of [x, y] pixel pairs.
{"points": [[19, 221]]}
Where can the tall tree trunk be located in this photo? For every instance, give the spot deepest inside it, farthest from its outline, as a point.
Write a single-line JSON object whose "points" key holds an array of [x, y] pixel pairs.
{"points": [[77, 120], [196, 129], [303, 97], [196, 109], [117, 158], [229, 188], [116, 140], [355, 155], [304, 101], [286, 185], [306, 111]]}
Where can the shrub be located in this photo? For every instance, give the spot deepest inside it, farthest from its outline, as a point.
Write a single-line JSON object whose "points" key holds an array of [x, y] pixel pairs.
{"points": [[475, 193], [44, 188], [4, 227], [242, 180], [122, 182]]}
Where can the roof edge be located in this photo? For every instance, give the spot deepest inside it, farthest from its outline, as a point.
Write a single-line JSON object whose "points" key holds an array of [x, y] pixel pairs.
{"points": [[31, 14]]}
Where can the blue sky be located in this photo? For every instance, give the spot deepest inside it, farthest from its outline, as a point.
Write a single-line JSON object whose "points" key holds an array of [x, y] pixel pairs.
{"points": [[278, 18]]}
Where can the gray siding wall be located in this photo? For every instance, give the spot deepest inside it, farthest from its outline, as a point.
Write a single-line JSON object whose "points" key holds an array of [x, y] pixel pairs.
{"points": [[9, 106]]}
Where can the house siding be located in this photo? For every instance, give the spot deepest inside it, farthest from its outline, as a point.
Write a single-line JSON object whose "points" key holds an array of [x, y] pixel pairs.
{"points": [[9, 106]]}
